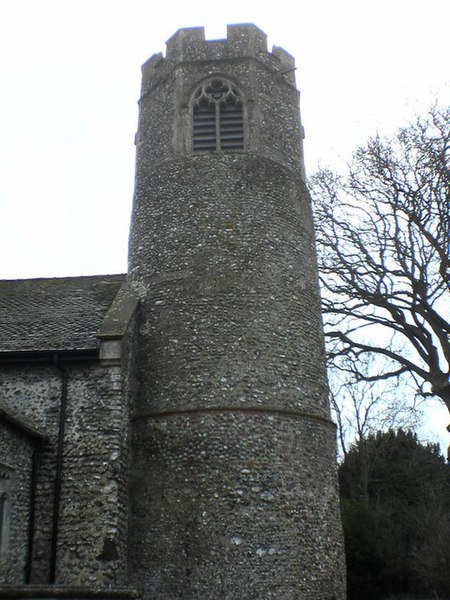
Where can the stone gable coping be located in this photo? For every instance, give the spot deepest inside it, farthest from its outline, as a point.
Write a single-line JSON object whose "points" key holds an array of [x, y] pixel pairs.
{"points": [[19, 422]]}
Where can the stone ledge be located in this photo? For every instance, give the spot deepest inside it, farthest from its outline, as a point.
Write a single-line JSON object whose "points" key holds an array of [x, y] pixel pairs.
{"points": [[49, 592]]}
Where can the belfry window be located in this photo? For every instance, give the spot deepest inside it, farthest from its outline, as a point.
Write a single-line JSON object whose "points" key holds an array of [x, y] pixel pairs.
{"points": [[217, 117]]}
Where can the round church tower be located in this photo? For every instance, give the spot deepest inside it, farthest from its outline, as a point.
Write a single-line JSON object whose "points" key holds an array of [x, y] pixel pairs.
{"points": [[233, 486]]}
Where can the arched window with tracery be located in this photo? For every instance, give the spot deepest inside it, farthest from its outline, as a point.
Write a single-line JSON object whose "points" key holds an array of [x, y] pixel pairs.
{"points": [[218, 123]]}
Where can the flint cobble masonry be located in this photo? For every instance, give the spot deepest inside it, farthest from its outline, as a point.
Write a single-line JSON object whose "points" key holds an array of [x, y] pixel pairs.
{"points": [[166, 434]]}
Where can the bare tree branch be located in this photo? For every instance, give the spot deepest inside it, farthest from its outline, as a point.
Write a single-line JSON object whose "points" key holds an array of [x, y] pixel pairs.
{"points": [[383, 235], [362, 405]]}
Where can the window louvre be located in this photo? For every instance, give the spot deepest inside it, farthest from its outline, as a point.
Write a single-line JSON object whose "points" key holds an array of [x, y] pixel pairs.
{"points": [[204, 128], [231, 127], [217, 117]]}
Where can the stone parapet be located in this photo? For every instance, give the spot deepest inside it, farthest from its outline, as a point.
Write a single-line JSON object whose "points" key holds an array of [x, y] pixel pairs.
{"points": [[243, 41]]}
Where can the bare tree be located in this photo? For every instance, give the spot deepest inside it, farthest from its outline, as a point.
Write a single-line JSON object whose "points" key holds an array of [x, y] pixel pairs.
{"points": [[383, 235], [361, 408]]}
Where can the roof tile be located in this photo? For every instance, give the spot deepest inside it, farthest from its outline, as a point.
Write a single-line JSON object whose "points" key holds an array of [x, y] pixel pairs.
{"points": [[54, 314]]}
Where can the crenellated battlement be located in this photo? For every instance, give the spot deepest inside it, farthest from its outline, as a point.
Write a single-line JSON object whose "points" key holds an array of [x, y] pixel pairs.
{"points": [[243, 41], [265, 80]]}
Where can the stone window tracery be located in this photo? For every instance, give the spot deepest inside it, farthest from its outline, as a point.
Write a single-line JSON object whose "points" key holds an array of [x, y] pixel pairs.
{"points": [[218, 123]]}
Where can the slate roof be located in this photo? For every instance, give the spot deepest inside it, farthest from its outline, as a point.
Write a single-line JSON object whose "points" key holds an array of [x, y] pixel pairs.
{"points": [[58, 314]]}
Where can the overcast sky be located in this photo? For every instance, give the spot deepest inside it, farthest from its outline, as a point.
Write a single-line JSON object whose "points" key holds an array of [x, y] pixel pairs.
{"points": [[70, 79]]}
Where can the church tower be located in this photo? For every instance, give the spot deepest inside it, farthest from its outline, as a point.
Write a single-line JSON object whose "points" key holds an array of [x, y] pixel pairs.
{"points": [[233, 488]]}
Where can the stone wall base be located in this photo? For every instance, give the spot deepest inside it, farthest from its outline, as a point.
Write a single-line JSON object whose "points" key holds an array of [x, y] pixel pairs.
{"points": [[50, 592]]}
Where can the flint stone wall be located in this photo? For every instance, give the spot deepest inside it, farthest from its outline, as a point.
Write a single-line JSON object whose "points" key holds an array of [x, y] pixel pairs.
{"points": [[233, 483], [16, 452], [91, 546]]}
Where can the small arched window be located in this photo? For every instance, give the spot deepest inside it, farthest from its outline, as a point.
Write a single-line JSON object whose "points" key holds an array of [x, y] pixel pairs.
{"points": [[217, 117]]}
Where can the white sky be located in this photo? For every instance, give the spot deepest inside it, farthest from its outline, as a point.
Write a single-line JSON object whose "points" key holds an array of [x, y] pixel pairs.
{"points": [[70, 80]]}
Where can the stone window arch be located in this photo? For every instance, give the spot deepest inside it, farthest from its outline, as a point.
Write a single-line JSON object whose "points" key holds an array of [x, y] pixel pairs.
{"points": [[217, 117]]}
